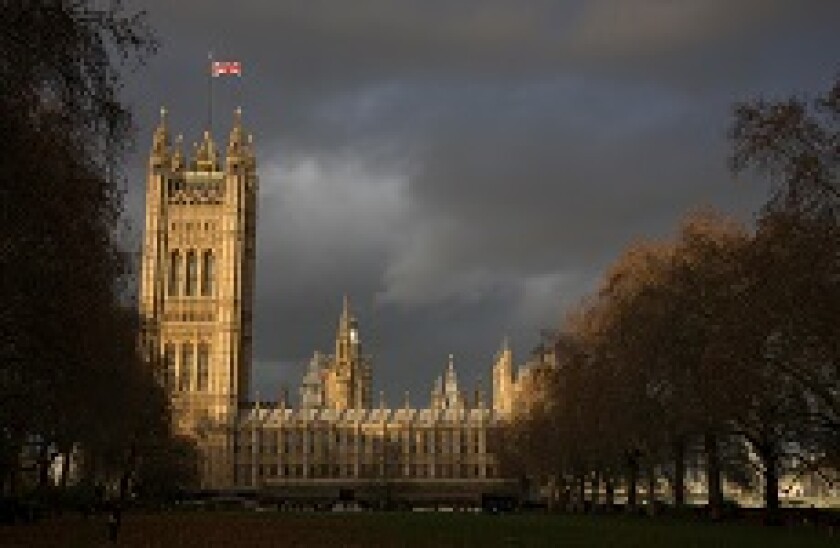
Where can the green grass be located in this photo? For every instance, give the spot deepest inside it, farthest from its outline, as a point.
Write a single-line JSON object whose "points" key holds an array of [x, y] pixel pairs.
{"points": [[404, 529]]}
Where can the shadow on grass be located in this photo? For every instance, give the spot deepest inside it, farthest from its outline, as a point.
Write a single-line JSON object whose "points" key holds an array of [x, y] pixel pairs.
{"points": [[402, 529]]}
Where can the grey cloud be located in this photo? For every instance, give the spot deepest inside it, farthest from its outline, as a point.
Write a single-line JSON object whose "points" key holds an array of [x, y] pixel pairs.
{"points": [[464, 170]]}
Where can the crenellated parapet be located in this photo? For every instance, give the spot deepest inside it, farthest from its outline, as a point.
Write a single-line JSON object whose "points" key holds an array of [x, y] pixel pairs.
{"points": [[206, 155]]}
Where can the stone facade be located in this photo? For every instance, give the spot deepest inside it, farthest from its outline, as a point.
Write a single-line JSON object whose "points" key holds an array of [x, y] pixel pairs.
{"points": [[197, 283], [196, 301], [332, 439], [342, 380]]}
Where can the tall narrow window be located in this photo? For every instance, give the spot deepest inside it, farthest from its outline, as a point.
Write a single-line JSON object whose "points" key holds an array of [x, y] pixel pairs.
{"points": [[184, 379], [169, 366], [203, 373], [174, 272], [207, 273], [192, 274]]}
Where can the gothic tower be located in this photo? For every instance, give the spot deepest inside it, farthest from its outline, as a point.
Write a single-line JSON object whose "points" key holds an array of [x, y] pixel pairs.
{"points": [[503, 380], [348, 381], [197, 286]]}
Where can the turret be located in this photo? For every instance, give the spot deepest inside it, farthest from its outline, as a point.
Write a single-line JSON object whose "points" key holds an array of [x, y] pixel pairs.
{"points": [[437, 394], [451, 382], [348, 345], [503, 379], [239, 153], [178, 160], [160, 142], [206, 156]]}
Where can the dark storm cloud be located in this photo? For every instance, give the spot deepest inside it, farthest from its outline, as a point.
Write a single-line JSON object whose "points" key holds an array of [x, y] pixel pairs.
{"points": [[466, 169]]}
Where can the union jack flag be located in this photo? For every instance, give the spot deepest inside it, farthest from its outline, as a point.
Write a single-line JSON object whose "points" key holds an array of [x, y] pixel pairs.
{"points": [[226, 67]]}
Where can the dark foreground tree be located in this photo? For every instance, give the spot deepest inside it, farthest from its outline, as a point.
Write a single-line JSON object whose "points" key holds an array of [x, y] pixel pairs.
{"points": [[71, 381], [722, 341], [795, 259], [796, 143]]}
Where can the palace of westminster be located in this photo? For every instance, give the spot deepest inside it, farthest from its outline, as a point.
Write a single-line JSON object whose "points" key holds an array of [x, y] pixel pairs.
{"points": [[196, 302]]}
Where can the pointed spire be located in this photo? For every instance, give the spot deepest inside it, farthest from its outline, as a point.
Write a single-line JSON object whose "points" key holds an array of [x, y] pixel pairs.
{"points": [[160, 140], [283, 400], [407, 400], [382, 399], [506, 344], [345, 309], [450, 370], [178, 160], [236, 142], [249, 152], [206, 156]]}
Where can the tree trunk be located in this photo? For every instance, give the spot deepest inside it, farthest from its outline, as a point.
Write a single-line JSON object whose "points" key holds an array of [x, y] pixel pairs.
{"points": [[552, 493], [771, 485], [609, 493], [713, 475], [582, 493], [126, 475], [651, 490], [65, 466], [44, 462], [632, 479], [562, 493], [679, 473]]}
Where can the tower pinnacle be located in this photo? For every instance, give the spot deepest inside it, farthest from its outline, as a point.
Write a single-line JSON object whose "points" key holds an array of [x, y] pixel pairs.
{"points": [[237, 140], [206, 157], [178, 154], [160, 140]]}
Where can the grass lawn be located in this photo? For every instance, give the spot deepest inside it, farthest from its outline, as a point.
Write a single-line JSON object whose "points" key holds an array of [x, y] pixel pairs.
{"points": [[402, 529]]}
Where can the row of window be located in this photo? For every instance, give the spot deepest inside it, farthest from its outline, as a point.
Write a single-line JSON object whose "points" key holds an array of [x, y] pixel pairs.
{"points": [[179, 185], [299, 436], [291, 441], [187, 368], [316, 471], [371, 448], [184, 273], [190, 316], [195, 225]]}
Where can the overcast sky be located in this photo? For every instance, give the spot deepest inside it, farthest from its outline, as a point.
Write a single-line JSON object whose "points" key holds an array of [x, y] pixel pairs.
{"points": [[466, 170]]}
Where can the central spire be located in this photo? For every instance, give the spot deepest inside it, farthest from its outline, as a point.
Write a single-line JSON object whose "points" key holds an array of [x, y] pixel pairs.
{"points": [[206, 157]]}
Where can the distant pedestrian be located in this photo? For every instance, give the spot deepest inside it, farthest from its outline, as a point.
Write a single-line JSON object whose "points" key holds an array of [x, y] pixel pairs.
{"points": [[114, 519]]}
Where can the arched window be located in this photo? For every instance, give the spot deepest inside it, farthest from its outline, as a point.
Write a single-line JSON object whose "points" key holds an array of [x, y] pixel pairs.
{"points": [[174, 273], [208, 273], [192, 274], [168, 366], [203, 369], [185, 376]]}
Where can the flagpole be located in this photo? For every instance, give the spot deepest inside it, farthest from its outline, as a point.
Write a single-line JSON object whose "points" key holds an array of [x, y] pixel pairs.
{"points": [[239, 87], [210, 93]]}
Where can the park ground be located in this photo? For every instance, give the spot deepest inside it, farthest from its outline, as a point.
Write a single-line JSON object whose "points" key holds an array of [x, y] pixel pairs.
{"points": [[218, 529]]}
